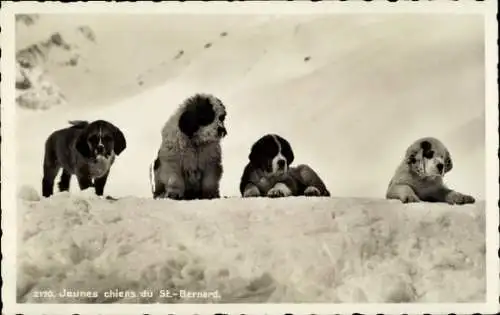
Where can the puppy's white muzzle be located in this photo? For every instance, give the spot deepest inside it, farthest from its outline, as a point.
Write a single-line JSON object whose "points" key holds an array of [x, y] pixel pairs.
{"points": [[279, 164], [434, 168]]}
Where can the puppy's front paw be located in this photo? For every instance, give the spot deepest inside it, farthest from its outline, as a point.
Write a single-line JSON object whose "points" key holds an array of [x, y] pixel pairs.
{"points": [[251, 192], [210, 195], [275, 193], [279, 190], [312, 191], [458, 198], [173, 194], [409, 198], [404, 193]]}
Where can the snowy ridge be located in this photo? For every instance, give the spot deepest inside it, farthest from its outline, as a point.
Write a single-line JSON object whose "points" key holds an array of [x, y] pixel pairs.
{"points": [[325, 250]]}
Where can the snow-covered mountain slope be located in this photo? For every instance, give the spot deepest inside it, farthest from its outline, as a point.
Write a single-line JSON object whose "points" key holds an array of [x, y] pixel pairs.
{"points": [[368, 88]]}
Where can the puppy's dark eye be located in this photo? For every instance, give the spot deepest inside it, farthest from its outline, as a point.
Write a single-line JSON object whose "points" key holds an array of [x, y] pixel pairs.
{"points": [[412, 159], [107, 138], [428, 154], [93, 139], [222, 117]]}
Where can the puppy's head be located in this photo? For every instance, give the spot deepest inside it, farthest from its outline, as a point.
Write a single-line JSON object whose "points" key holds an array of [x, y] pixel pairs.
{"points": [[100, 139], [429, 158], [272, 154], [202, 118]]}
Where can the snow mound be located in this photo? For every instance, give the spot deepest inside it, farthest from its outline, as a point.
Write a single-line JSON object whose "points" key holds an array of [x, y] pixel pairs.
{"points": [[39, 55], [28, 193], [249, 250], [35, 90]]}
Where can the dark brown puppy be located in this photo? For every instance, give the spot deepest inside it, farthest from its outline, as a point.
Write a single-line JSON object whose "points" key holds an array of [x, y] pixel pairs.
{"points": [[86, 150], [268, 173]]}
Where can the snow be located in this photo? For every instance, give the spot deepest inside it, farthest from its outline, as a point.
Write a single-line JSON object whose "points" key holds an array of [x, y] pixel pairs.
{"points": [[372, 85], [325, 250]]}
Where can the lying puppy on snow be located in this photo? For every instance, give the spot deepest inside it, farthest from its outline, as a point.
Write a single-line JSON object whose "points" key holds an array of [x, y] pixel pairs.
{"points": [[86, 150], [419, 177], [268, 173]]}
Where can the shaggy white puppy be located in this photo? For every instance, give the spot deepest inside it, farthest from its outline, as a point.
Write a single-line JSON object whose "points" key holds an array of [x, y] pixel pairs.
{"points": [[188, 165]]}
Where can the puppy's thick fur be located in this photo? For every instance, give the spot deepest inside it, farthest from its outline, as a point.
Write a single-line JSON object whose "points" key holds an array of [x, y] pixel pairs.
{"points": [[419, 177], [268, 172], [189, 161], [86, 150]]}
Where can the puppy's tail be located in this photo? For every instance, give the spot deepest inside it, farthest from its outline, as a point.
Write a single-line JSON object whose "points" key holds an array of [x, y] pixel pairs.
{"points": [[78, 123]]}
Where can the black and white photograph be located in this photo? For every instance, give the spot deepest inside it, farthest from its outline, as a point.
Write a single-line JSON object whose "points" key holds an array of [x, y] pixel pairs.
{"points": [[249, 157]]}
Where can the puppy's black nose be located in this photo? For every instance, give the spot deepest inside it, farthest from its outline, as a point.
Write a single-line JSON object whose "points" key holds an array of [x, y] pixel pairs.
{"points": [[221, 131], [281, 164], [440, 167], [100, 149]]}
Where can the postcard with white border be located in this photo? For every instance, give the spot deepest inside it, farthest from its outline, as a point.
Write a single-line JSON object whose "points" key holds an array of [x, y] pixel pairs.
{"points": [[249, 157]]}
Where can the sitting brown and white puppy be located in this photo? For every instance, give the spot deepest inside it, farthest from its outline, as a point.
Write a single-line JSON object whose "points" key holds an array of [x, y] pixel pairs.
{"points": [[86, 150], [268, 173], [189, 161], [419, 177]]}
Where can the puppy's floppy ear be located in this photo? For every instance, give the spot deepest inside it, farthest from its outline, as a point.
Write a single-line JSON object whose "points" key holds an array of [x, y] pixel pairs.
{"points": [[286, 150], [448, 162], [197, 112], [120, 143], [82, 145], [188, 122], [410, 159], [411, 155], [256, 153]]}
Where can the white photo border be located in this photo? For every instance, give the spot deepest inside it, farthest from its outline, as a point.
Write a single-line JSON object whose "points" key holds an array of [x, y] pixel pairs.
{"points": [[486, 8]]}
